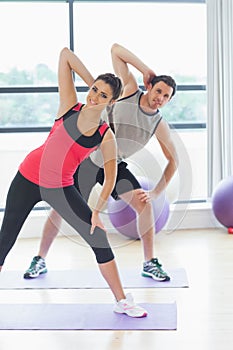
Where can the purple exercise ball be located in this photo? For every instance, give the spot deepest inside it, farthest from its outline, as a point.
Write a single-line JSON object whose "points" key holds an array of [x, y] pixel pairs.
{"points": [[123, 217], [222, 202]]}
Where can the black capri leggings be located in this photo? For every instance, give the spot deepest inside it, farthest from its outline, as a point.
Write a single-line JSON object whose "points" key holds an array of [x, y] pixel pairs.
{"points": [[125, 180], [67, 201]]}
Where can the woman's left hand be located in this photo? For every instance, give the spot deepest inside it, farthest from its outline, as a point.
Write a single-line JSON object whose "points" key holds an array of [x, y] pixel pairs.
{"points": [[96, 221]]}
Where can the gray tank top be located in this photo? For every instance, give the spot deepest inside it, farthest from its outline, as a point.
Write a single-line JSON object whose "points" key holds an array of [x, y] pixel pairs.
{"points": [[132, 126]]}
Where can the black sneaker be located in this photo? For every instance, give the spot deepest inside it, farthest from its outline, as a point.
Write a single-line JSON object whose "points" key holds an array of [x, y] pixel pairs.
{"points": [[154, 270], [36, 268]]}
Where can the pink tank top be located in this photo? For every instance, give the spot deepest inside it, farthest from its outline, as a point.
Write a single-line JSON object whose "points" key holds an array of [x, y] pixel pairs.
{"points": [[53, 164]]}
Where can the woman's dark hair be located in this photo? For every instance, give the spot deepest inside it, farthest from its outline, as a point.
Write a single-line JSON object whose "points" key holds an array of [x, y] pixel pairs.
{"points": [[114, 82], [167, 80]]}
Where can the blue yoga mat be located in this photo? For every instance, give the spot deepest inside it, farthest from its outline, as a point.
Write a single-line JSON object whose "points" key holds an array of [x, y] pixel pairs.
{"points": [[84, 316], [78, 279]]}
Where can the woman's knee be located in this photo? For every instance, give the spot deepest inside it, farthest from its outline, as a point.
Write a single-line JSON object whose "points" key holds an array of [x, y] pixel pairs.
{"points": [[103, 255]]}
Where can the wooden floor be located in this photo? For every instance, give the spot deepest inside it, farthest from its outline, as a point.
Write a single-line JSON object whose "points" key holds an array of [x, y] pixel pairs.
{"points": [[205, 309]]}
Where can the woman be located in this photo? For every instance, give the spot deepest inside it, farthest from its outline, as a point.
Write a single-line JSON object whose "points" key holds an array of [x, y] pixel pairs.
{"points": [[47, 172]]}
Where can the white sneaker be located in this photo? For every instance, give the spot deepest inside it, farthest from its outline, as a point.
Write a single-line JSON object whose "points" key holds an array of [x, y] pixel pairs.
{"points": [[128, 307]]}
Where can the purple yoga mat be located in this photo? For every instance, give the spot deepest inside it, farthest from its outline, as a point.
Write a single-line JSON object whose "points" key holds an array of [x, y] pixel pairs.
{"points": [[77, 279], [85, 316]]}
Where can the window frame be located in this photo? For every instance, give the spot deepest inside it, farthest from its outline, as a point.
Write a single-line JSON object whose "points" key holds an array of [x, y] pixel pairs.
{"points": [[52, 89]]}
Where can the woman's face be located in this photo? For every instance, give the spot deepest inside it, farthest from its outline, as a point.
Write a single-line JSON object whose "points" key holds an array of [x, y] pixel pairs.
{"points": [[99, 94]]}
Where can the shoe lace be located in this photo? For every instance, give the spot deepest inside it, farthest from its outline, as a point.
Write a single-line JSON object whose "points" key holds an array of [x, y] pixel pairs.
{"points": [[155, 261], [128, 302], [35, 264], [157, 267]]}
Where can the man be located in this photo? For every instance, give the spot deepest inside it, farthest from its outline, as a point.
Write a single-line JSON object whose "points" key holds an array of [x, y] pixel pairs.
{"points": [[135, 118]]}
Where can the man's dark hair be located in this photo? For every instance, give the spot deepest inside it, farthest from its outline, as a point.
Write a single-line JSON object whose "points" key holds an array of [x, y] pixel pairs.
{"points": [[167, 80]]}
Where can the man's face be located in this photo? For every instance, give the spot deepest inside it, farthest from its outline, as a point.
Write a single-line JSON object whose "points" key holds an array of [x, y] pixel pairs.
{"points": [[159, 95]]}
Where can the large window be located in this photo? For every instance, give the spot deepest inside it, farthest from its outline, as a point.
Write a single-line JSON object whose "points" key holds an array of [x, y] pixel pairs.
{"points": [[32, 36], [170, 36]]}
